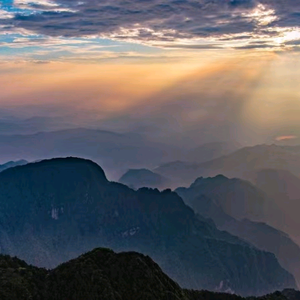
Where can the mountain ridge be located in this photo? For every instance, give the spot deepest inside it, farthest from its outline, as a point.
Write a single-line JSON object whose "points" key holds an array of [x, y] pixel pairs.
{"points": [[205, 201], [103, 274], [238, 164], [54, 210]]}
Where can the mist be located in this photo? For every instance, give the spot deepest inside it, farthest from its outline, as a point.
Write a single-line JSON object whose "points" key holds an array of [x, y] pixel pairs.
{"points": [[185, 105]]}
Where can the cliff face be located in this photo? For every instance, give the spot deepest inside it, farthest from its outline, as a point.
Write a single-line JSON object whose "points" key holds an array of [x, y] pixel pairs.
{"points": [[55, 210]]}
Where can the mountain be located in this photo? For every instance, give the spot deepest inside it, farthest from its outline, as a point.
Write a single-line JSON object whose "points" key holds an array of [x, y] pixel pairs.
{"points": [[238, 198], [12, 164], [241, 164], [270, 239], [178, 172], [116, 152], [11, 125], [55, 210], [210, 151], [277, 183], [250, 159], [138, 178], [99, 274], [102, 274], [283, 191], [261, 235]]}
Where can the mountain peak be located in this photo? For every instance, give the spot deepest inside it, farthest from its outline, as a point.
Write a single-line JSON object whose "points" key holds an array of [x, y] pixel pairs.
{"points": [[200, 180], [67, 166], [11, 164]]}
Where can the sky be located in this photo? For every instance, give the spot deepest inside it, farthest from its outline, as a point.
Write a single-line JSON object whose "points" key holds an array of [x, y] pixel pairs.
{"points": [[207, 69]]}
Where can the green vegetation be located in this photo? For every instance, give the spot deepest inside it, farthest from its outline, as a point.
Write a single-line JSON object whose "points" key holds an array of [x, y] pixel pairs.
{"points": [[103, 275]]}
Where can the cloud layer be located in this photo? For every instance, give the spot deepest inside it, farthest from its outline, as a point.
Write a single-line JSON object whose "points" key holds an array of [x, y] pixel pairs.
{"points": [[192, 24]]}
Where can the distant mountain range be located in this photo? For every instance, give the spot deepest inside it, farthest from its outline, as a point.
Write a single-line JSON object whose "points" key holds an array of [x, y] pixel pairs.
{"points": [[57, 209], [277, 184], [283, 191], [12, 164], [138, 178], [116, 152], [242, 163], [269, 189], [238, 198], [10, 125], [103, 274], [207, 197], [210, 151]]}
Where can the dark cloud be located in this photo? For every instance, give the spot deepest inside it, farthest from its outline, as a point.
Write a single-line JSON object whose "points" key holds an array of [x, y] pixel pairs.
{"points": [[158, 20], [190, 46], [172, 19], [293, 43], [255, 46]]}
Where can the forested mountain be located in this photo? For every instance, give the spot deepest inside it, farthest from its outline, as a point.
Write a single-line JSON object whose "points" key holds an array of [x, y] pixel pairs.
{"points": [[106, 275], [55, 210]]}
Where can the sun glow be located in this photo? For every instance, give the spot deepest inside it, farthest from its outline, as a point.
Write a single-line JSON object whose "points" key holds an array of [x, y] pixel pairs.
{"points": [[288, 35]]}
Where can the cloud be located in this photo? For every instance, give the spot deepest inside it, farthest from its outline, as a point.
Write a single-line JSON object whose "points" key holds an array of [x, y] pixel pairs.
{"points": [[255, 46], [187, 24], [142, 20]]}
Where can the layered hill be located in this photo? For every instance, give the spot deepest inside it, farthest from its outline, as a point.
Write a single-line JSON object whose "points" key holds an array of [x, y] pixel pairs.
{"points": [[210, 151], [116, 152], [102, 274], [204, 197], [277, 184], [238, 198], [241, 164], [138, 178], [55, 210], [283, 191], [12, 164]]}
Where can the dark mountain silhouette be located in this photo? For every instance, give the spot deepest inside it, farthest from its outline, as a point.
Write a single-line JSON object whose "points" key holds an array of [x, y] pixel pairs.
{"points": [[99, 274], [138, 178], [12, 164], [55, 210], [259, 234], [102, 274]]}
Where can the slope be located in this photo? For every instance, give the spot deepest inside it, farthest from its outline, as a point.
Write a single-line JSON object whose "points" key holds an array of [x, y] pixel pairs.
{"points": [[55, 210]]}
